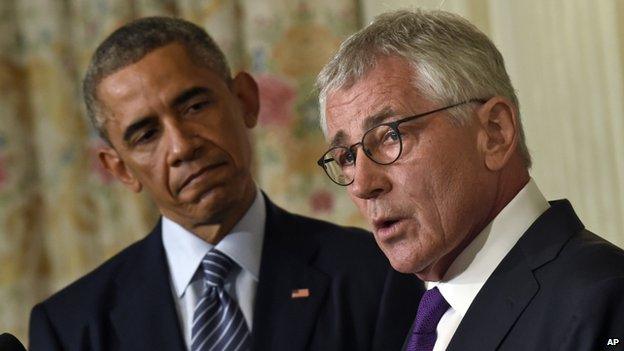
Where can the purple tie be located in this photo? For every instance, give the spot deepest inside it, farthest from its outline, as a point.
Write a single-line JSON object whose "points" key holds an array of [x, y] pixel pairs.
{"points": [[431, 308]]}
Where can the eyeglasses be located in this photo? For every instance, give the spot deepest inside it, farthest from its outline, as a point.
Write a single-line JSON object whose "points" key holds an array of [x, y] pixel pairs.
{"points": [[382, 144]]}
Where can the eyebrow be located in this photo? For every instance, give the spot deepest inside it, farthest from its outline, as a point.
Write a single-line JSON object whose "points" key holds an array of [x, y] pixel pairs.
{"points": [[136, 126], [378, 118], [338, 139], [369, 122]]}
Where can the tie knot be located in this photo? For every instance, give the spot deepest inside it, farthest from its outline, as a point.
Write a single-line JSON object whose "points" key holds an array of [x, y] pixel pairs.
{"points": [[431, 308], [216, 266]]}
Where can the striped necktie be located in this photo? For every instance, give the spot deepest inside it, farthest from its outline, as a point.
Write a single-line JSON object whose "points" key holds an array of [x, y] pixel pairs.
{"points": [[218, 323]]}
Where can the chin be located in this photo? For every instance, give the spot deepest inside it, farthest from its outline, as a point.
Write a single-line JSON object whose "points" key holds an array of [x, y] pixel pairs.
{"points": [[402, 264], [401, 256], [400, 267], [215, 208], [215, 196], [410, 264]]}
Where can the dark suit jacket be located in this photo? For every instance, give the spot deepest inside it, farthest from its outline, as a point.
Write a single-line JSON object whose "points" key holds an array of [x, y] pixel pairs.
{"points": [[560, 287], [356, 301], [9, 342]]}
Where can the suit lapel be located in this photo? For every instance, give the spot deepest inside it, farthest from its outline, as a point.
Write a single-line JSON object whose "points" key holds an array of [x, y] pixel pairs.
{"points": [[281, 321], [497, 306], [144, 315], [398, 286], [512, 286]]}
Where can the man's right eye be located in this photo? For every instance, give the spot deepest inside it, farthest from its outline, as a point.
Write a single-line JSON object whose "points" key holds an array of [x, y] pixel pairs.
{"points": [[346, 159], [390, 137], [145, 137]]}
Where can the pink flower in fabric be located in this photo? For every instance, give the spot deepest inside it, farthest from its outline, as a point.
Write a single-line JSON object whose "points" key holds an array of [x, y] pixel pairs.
{"points": [[322, 201], [277, 100]]}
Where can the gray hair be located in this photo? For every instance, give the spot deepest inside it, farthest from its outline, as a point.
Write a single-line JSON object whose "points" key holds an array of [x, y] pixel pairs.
{"points": [[130, 43], [452, 60]]}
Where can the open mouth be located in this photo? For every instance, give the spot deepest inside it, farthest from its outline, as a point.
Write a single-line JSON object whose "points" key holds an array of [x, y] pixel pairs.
{"points": [[387, 228]]}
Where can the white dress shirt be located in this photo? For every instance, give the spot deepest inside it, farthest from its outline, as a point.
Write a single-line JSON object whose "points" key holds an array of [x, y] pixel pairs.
{"points": [[468, 273], [185, 250]]}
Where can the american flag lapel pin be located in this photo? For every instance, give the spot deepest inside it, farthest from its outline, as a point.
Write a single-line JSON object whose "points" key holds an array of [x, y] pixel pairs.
{"points": [[300, 293]]}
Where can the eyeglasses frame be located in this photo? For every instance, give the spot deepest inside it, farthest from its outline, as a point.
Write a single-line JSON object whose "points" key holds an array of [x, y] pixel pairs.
{"points": [[394, 125]]}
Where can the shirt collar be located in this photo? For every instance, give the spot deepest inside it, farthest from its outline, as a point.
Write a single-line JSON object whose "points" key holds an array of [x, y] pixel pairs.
{"points": [[470, 270], [185, 250]]}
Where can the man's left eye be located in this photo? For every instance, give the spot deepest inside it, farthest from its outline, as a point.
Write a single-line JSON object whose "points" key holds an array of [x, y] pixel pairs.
{"points": [[390, 136], [146, 136], [197, 107]]}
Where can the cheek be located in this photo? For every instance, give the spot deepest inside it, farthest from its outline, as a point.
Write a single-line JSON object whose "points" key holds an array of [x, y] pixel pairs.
{"points": [[453, 188], [360, 204], [422, 188], [414, 185], [239, 150], [234, 140], [153, 171]]}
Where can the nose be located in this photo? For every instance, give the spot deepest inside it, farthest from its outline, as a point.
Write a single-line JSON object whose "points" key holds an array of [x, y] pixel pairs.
{"points": [[370, 179], [183, 144]]}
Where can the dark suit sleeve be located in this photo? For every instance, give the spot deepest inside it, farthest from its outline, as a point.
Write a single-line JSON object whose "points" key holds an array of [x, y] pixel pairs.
{"points": [[9, 342], [41, 334], [598, 319]]}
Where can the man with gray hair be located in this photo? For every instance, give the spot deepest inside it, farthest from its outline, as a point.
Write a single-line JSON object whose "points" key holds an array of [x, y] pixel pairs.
{"points": [[224, 268], [424, 131]]}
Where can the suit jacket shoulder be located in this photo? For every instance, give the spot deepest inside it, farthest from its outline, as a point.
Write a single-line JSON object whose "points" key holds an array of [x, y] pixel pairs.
{"points": [[561, 287], [98, 282], [125, 303]]}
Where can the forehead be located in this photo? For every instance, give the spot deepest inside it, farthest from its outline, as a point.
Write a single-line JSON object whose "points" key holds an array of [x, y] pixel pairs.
{"points": [[386, 91], [164, 69], [150, 85]]}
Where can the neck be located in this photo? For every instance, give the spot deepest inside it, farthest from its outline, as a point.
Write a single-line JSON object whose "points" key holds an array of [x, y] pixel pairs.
{"points": [[509, 184]]}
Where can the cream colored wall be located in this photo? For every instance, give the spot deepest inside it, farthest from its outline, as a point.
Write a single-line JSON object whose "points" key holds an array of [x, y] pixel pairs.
{"points": [[565, 60]]}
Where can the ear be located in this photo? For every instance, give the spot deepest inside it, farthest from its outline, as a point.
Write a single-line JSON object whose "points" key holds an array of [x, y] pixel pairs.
{"points": [[246, 90], [499, 125], [110, 160]]}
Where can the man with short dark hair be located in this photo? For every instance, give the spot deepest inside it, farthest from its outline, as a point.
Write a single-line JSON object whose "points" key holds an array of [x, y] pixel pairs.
{"points": [[425, 133], [224, 269]]}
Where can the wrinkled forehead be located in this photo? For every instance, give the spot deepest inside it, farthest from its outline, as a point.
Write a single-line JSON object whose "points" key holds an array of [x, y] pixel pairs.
{"points": [[374, 99], [387, 90], [349, 116]]}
